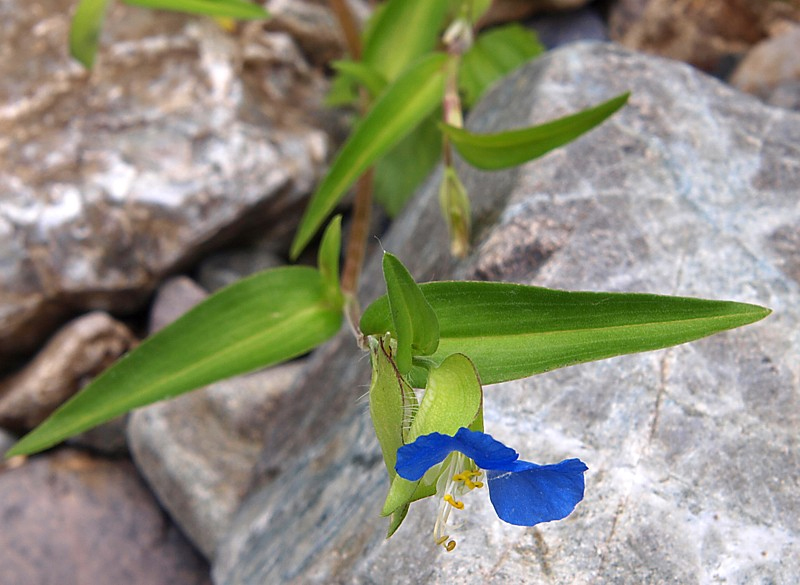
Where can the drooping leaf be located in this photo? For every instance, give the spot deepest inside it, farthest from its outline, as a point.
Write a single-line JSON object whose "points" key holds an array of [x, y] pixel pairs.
{"points": [[407, 165], [453, 399], [514, 147], [329, 251], [413, 320], [495, 53], [511, 331], [84, 34], [401, 32], [259, 321], [402, 106], [239, 9], [363, 74]]}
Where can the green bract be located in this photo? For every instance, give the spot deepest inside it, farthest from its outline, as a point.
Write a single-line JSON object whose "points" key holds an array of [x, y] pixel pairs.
{"points": [[453, 399], [414, 323]]}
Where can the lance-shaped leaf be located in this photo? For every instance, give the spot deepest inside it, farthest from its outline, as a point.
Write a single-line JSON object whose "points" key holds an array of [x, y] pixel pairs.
{"points": [[84, 33], [402, 106], [259, 321], [328, 260], [223, 8], [511, 331], [362, 74], [401, 32], [414, 323], [495, 53], [514, 147], [453, 399], [407, 165]]}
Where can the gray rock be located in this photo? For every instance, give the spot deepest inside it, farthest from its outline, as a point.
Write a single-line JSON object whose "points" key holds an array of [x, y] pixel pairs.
{"points": [[6, 441], [73, 519], [228, 266], [80, 350], [771, 70], [180, 138], [197, 452], [175, 296], [561, 28], [691, 450]]}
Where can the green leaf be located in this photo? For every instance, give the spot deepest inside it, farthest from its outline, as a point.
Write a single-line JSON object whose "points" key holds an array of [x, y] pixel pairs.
{"points": [[401, 32], [472, 10], [453, 399], [391, 401], [402, 106], [362, 74], [512, 331], [495, 53], [259, 321], [413, 321], [407, 165], [329, 251], [225, 8], [514, 147], [84, 33]]}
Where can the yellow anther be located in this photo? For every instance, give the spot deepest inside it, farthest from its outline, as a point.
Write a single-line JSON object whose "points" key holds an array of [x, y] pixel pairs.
{"points": [[453, 502], [463, 476], [476, 484], [450, 545], [442, 539]]}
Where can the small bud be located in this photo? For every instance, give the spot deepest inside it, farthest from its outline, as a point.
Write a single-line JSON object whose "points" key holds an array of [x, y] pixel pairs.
{"points": [[456, 212]]}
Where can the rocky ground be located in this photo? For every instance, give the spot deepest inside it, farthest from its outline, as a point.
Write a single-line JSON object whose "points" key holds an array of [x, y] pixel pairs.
{"points": [[691, 189]]}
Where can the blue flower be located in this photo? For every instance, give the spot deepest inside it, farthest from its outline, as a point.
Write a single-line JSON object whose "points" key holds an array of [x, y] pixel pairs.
{"points": [[521, 492]]}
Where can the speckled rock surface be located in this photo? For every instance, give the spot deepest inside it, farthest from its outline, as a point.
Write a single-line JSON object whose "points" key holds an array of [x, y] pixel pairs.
{"points": [[182, 136], [771, 70], [80, 350], [692, 451], [198, 451], [72, 519], [706, 34]]}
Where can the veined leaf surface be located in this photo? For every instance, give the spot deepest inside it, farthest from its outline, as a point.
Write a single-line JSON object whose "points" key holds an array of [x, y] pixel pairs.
{"points": [[512, 331], [259, 321], [402, 31]]}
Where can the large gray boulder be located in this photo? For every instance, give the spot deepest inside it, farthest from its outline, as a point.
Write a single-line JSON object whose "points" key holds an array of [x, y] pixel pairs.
{"points": [[693, 472], [180, 137]]}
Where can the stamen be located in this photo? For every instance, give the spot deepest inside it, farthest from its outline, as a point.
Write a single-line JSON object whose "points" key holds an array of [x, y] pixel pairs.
{"points": [[453, 502], [442, 539], [450, 546]]}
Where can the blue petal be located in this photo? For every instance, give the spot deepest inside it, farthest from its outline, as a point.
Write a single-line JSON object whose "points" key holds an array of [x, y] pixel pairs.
{"points": [[527, 494], [414, 459]]}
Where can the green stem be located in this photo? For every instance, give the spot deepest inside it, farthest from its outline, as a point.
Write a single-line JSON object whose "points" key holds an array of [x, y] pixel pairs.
{"points": [[356, 250]]}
